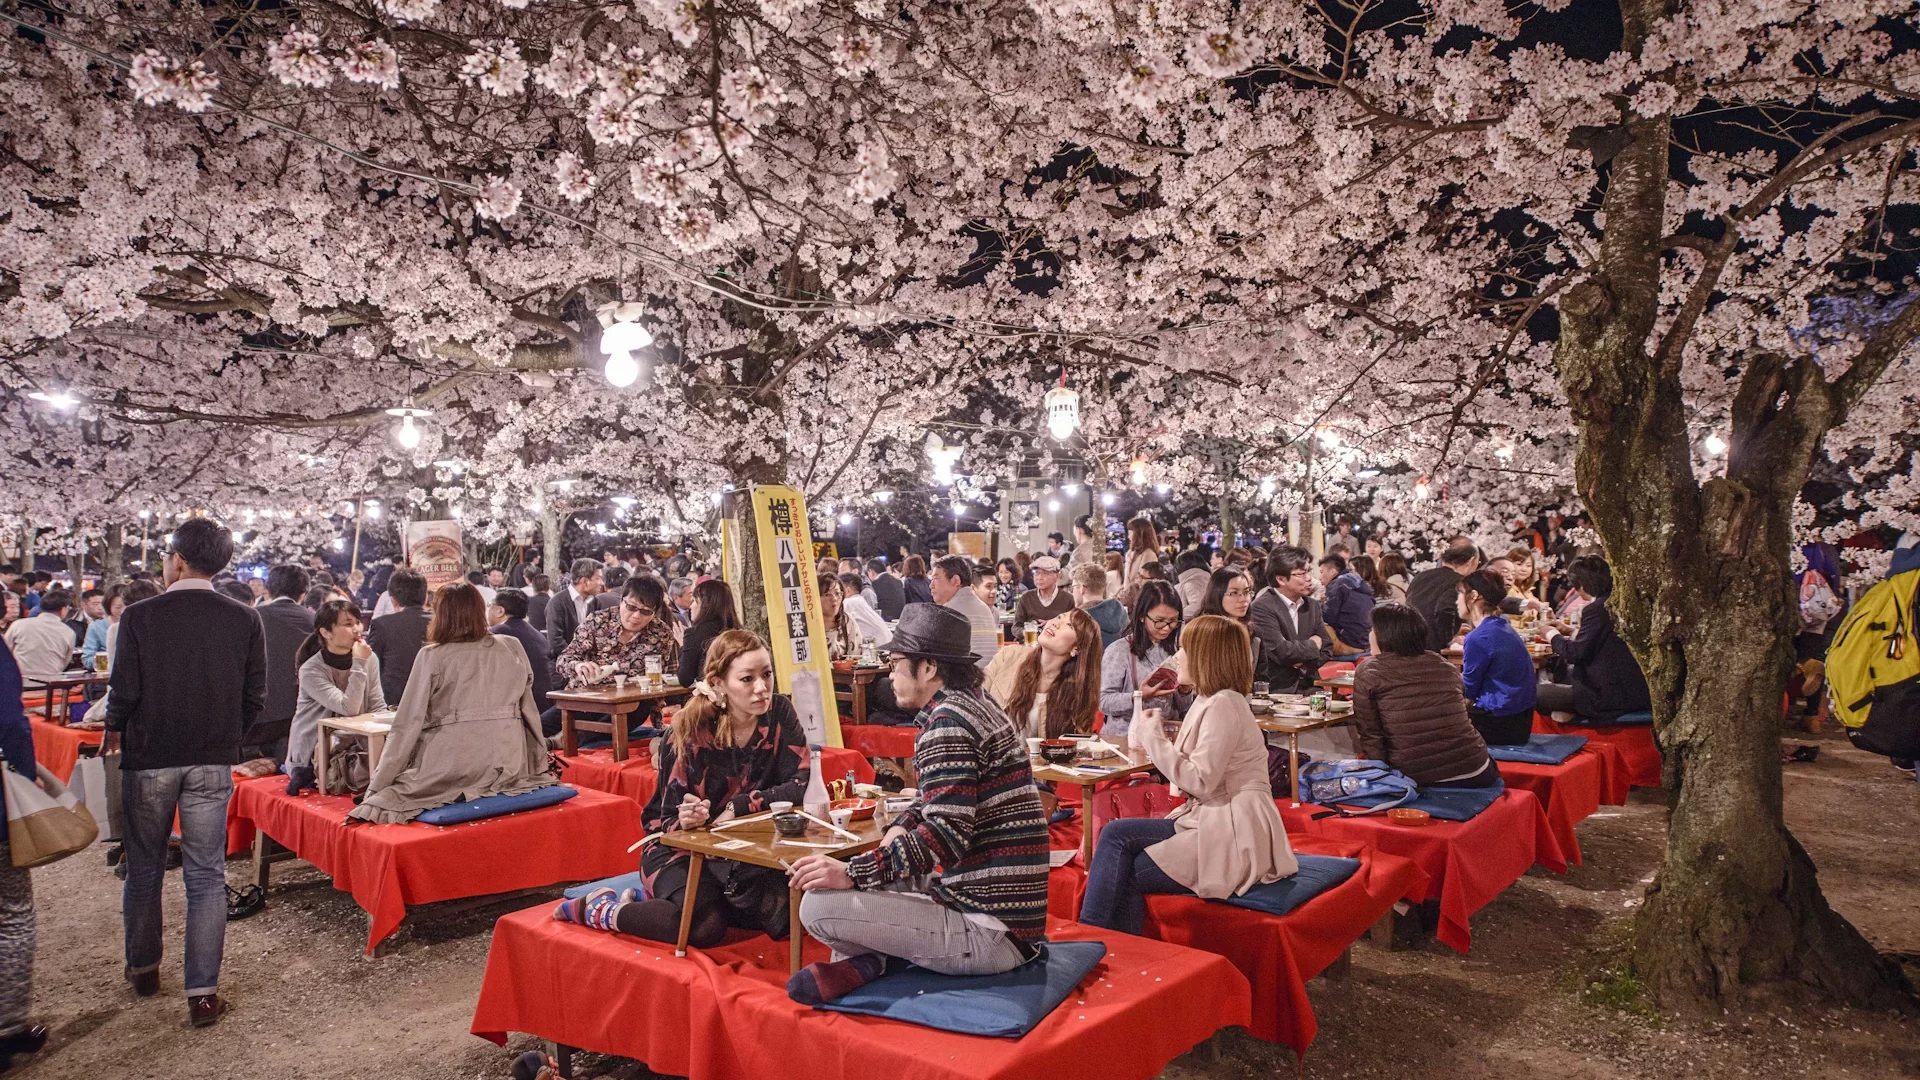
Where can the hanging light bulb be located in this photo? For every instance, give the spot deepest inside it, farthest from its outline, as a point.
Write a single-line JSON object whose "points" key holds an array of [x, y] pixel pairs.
{"points": [[883, 496], [1138, 471], [1063, 410], [846, 519], [943, 457], [408, 436], [1267, 485], [1053, 505], [373, 508], [959, 508], [1422, 489], [620, 335], [1715, 445], [1070, 489]]}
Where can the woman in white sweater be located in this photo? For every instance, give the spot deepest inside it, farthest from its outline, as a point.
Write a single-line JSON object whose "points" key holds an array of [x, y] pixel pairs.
{"points": [[339, 676], [1228, 836]]}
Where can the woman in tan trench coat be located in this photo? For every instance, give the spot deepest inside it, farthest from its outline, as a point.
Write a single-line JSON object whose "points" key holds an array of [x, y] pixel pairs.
{"points": [[1228, 836], [466, 725]]}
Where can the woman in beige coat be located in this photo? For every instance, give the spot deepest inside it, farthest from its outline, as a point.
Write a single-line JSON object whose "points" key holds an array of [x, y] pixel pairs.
{"points": [[466, 726], [1228, 836]]}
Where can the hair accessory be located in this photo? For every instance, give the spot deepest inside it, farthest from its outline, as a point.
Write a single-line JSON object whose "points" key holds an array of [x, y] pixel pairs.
{"points": [[705, 690]]}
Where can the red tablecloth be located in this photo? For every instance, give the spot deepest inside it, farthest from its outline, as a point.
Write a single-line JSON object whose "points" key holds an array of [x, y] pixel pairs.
{"points": [[636, 777], [1570, 791], [387, 867], [1277, 953], [724, 1014], [1467, 863], [1632, 760], [57, 746], [880, 740]]}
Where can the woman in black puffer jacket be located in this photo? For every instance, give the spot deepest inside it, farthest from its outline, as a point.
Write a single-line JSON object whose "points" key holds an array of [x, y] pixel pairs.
{"points": [[1409, 710]]}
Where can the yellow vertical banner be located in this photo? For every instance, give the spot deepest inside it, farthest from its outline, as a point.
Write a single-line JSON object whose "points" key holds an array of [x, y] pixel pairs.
{"points": [[795, 622]]}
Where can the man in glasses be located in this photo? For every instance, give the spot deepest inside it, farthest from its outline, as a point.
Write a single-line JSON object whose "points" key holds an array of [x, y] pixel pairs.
{"points": [[618, 640], [1287, 622]]}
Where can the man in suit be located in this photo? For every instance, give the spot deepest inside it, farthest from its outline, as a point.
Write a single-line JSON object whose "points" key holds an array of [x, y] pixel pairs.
{"points": [[890, 591], [680, 601], [1287, 624], [511, 606], [612, 580], [287, 623], [951, 581], [568, 609], [1435, 593], [189, 680], [396, 638]]}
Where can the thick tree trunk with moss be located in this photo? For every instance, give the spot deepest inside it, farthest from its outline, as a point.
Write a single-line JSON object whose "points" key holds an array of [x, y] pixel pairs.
{"points": [[1704, 597]]}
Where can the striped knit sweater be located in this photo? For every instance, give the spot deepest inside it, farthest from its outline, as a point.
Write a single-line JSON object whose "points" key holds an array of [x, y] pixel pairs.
{"points": [[978, 821]]}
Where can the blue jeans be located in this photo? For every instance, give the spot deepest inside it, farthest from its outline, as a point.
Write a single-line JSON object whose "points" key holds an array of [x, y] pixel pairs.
{"points": [[151, 796], [1123, 874]]}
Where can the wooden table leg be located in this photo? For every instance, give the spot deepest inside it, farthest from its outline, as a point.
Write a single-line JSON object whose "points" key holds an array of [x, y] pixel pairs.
{"points": [[260, 863], [619, 726], [1086, 826], [320, 747], [1293, 766], [696, 863], [859, 701], [795, 935], [569, 738]]}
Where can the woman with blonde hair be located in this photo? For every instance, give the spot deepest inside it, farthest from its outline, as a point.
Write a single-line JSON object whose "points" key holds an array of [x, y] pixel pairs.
{"points": [[732, 750], [1227, 837], [1052, 687], [467, 726]]}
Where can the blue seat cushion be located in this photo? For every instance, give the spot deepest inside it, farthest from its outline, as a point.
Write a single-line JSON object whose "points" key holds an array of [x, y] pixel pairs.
{"points": [[1447, 804], [1004, 1006], [488, 806], [618, 883], [1540, 749], [1632, 719], [1317, 874]]}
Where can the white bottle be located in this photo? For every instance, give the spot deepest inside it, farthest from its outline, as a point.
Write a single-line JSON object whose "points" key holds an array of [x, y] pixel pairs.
{"points": [[1134, 742], [816, 801]]}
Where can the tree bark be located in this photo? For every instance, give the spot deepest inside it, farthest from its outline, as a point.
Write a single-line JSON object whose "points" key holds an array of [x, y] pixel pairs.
{"points": [[1704, 598], [113, 555]]}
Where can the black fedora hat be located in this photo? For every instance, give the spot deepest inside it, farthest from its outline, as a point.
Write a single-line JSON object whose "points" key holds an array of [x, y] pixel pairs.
{"points": [[932, 632]]}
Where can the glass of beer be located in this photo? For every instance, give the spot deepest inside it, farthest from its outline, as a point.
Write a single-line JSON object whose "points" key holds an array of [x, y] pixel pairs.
{"points": [[1032, 632], [654, 673]]}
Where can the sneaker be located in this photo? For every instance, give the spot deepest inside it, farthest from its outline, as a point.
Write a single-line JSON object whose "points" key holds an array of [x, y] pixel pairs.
{"points": [[203, 1011]]}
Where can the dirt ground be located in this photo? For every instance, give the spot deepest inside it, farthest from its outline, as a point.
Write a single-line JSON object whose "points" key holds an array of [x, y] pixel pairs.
{"points": [[307, 1004]]}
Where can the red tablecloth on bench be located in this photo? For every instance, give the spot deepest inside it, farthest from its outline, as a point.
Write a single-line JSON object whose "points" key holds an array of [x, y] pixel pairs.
{"points": [[387, 867], [1631, 759], [1277, 953], [880, 740], [57, 746], [724, 1014], [1570, 791], [1468, 863], [636, 778]]}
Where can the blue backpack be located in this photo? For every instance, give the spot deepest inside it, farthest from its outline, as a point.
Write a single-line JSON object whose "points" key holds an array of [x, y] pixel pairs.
{"points": [[1329, 782]]}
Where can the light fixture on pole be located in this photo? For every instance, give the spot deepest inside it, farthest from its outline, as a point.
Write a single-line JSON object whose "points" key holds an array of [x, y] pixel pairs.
{"points": [[407, 435], [1063, 410], [943, 457], [620, 336]]}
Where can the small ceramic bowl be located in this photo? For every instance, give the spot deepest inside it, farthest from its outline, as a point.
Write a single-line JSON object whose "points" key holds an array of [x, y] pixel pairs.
{"points": [[790, 825], [1058, 751], [862, 808], [1403, 815]]}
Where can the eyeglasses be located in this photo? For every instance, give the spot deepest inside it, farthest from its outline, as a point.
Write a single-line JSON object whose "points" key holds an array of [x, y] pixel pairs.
{"points": [[1164, 624], [636, 609], [1308, 574], [1240, 592]]}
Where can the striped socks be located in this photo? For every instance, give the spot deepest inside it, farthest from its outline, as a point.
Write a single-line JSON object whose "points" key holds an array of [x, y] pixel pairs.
{"points": [[598, 909]]}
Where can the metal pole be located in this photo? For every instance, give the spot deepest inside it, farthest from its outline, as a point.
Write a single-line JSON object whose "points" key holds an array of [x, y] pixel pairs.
{"points": [[354, 559]]}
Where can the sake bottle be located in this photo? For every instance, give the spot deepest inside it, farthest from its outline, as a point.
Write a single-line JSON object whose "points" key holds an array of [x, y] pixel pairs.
{"points": [[816, 801]]}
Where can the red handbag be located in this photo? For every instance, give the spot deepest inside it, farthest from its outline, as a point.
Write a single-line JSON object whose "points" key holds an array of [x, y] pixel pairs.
{"points": [[1138, 796]]}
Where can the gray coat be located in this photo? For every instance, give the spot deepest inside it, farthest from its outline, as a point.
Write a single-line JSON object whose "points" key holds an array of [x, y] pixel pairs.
{"points": [[466, 728], [322, 698]]}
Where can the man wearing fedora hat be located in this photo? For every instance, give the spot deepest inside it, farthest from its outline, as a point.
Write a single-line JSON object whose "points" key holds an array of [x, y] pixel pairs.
{"points": [[978, 820]]}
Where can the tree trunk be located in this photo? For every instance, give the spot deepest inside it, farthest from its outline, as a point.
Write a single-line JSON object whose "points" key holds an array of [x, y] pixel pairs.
{"points": [[113, 555], [552, 525]]}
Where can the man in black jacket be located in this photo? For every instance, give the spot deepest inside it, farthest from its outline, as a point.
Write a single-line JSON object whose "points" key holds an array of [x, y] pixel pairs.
{"points": [[287, 623], [1435, 594], [513, 605], [1288, 624], [396, 638], [1606, 679], [568, 608], [889, 590], [189, 680]]}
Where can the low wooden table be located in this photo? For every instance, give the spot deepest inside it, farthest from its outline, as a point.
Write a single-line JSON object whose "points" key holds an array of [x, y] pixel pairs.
{"points": [[1293, 727], [1338, 682], [374, 726], [1541, 654], [1130, 762], [855, 682], [762, 848], [616, 703], [64, 685]]}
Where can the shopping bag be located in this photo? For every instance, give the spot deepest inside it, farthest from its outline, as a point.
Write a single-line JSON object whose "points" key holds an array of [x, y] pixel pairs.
{"points": [[89, 785], [45, 823]]}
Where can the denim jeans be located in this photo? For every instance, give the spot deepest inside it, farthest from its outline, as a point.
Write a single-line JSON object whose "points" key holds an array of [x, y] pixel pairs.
{"points": [[150, 797], [1123, 873], [911, 925], [16, 941]]}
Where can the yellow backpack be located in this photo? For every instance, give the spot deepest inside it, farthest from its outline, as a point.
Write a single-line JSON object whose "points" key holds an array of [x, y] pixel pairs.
{"points": [[1873, 668]]}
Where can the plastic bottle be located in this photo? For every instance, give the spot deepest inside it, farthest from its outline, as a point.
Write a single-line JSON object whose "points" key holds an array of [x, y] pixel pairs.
{"points": [[1139, 717], [816, 801]]}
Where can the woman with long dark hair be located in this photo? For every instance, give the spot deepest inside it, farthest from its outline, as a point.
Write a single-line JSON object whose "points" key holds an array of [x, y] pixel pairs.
{"points": [[714, 613], [733, 749], [1152, 639], [1052, 687], [467, 726], [338, 676], [843, 641], [1395, 572]]}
